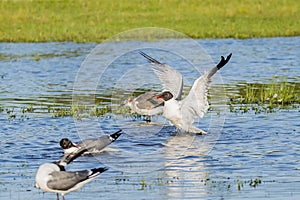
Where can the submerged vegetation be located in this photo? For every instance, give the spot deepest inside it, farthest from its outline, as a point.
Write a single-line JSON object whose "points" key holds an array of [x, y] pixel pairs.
{"points": [[96, 21], [229, 183], [243, 98]]}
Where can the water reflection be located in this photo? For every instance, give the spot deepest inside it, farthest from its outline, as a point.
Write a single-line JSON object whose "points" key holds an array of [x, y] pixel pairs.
{"points": [[185, 168]]}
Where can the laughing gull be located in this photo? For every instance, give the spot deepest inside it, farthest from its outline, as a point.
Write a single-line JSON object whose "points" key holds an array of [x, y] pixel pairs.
{"points": [[146, 104], [94, 145], [182, 113], [52, 177]]}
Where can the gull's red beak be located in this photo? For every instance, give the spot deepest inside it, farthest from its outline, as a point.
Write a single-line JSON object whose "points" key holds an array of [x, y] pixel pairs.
{"points": [[159, 97], [75, 145]]}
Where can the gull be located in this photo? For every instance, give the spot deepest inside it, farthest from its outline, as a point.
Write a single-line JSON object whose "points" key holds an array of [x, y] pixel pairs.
{"points": [[94, 145], [52, 177], [146, 104], [182, 113]]}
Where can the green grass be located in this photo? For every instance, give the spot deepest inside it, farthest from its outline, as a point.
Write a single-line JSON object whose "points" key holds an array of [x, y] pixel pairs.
{"points": [[265, 97], [95, 21]]}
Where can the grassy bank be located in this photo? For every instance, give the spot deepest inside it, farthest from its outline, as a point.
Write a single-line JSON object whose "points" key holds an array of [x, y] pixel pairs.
{"points": [[95, 21]]}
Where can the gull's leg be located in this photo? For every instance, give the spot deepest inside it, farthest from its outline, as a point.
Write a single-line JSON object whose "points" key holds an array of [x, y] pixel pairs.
{"points": [[178, 131], [148, 119], [57, 196]]}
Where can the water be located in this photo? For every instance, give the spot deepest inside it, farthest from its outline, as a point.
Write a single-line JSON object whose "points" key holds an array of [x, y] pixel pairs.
{"points": [[255, 157]]}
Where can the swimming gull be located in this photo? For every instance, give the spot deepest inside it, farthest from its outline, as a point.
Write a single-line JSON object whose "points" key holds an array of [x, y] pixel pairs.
{"points": [[94, 145]]}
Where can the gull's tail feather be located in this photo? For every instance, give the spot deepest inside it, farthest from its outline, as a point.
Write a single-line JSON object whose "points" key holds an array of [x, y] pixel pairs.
{"points": [[116, 134]]}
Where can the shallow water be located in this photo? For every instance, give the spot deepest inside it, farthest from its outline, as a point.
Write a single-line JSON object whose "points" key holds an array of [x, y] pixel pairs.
{"points": [[255, 157]]}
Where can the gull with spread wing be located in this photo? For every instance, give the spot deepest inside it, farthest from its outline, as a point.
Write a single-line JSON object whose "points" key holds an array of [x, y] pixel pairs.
{"points": [[182, 113]]}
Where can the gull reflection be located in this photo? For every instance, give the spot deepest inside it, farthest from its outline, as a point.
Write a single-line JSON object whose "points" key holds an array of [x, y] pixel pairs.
{"points": [[184, 167]]}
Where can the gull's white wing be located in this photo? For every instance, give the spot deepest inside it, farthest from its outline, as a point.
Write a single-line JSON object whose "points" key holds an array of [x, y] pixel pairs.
{"points": [[171, 79], [195, 104]]}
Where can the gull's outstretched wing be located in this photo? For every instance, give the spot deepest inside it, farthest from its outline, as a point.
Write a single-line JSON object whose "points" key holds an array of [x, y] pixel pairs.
{"points": [[195, 104], [171, 79]]}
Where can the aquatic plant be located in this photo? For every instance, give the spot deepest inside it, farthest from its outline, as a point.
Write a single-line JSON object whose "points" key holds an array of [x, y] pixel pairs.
{"points": [[233, 184], [11, 114], [240, 184], [80, 111], [255, 182], [265, 97], [273, 96], [143, 184], [22, 112], [28, 109]]}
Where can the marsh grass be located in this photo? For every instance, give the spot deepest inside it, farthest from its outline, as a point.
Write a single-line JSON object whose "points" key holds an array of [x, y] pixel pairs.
{"points": [[273, 96], [229, 183], [265, 97], [80, 111], [95, 21]]}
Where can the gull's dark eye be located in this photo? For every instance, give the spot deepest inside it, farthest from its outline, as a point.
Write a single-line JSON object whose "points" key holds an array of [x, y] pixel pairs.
{"points": [[65, 143], [167, 96]]}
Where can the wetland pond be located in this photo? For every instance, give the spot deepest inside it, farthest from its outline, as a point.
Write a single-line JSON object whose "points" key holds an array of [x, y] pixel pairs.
{"points": [[247, 155]]}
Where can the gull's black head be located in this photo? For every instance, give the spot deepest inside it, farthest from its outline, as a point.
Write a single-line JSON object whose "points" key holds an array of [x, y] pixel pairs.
{"points": [[165, 96], [65, 143]]}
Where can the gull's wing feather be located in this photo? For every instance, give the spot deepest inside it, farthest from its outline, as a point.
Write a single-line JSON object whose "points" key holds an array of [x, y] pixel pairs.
{"points": [[171, 79], [96, 144], [62, 180], [149, 100], [195, 104], [67, 158]]}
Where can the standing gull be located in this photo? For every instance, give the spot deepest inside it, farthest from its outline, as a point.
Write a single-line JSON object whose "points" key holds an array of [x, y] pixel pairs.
{"points": [[146, 104], [52, 177], [182, 113], [94, 145]]}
